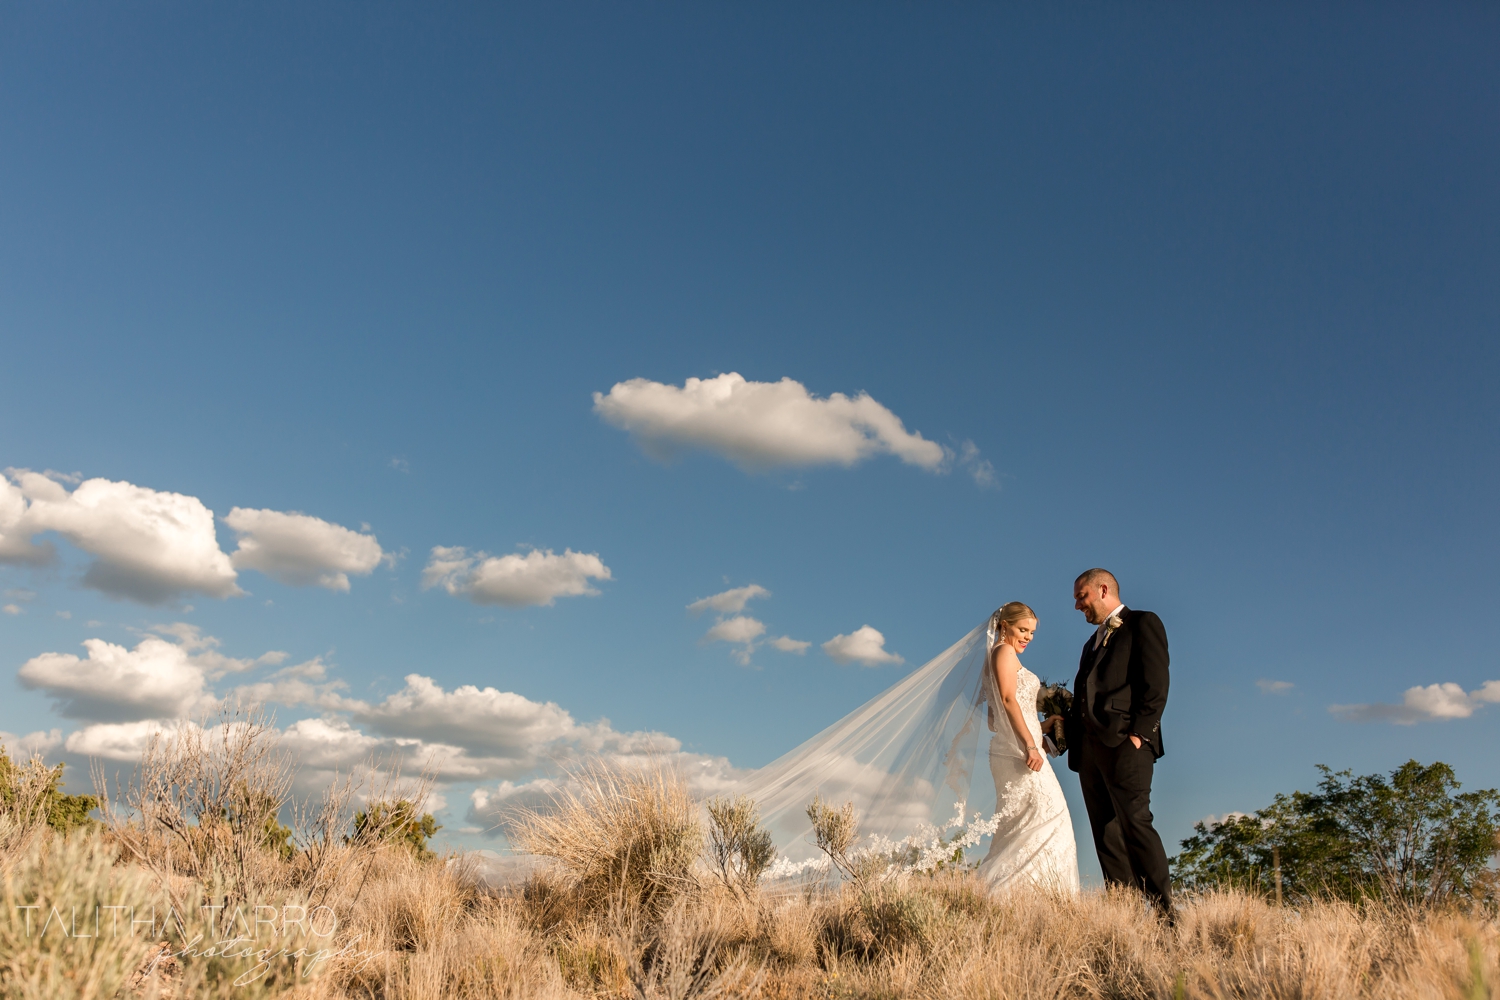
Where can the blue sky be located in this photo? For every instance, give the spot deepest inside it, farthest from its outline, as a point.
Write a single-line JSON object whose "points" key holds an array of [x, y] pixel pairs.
{"points": [[1214, 291]]}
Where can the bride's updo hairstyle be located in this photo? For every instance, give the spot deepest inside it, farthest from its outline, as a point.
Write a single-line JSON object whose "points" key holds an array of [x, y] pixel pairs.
{"points": [[1009, 614]]}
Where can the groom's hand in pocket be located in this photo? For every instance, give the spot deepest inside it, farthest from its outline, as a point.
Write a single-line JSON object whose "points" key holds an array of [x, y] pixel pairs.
{"points": [[1136, 740]]}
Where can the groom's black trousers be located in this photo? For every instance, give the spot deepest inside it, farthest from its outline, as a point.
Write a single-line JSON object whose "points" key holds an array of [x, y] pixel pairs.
{"points": [[1117, 792]]}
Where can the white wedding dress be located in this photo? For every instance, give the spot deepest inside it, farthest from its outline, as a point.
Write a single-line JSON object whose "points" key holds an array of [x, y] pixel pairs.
{"points": [[1033, 840]]}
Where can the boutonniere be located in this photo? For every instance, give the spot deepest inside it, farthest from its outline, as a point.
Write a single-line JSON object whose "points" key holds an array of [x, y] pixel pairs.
{"points": [[1114, 622]]}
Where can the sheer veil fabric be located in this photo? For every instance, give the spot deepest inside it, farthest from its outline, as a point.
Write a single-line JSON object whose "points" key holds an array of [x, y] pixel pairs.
{"points": [[907, 760]]}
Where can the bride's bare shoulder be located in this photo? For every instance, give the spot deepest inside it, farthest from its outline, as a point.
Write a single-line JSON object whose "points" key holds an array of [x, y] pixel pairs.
{"points": [[1004, 654]]}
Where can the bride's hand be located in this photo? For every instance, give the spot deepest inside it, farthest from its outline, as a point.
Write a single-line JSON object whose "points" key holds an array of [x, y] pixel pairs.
{"points": [[1034, 758], [1053, 725]]}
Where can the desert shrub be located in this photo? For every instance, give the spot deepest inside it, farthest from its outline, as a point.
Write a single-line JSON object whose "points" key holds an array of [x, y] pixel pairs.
{"points": [[204, 800], [739, 849], [626, 838], [899, 918], [32, 792], [46, 952], [396, 823], [1411, 838]]}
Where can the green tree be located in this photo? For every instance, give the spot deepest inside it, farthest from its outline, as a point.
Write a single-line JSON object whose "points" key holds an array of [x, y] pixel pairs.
{"points": [[38, 789], [1411, 837], [395, 823]]}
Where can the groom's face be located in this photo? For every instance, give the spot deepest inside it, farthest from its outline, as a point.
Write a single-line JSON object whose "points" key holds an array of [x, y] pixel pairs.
{"points": [[1094, 601]]}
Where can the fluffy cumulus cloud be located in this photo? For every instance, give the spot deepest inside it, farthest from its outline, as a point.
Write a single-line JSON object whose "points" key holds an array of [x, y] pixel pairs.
{"points": [[16, 530], [300, 550], [729, 601], [762, 425], [740, 630], [300, 684], [119, 741], [42, 742], [865, 646], [537, 578], [485, 720], [1432, 703], [148, 545], [155, 680]]}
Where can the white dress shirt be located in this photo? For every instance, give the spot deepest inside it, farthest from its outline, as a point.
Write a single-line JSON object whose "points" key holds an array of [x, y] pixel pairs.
{"points": [[1099, 632]]}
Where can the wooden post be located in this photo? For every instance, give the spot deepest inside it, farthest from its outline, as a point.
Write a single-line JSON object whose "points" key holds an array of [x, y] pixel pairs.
{"points": [[1276, 869]]}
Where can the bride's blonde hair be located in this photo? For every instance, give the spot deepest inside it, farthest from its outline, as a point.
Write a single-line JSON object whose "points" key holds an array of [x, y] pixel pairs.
{"points": [[1009, 614]]}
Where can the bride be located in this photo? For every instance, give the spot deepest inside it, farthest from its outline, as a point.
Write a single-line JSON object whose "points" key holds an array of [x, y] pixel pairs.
{"points": [[906, 759], [1033, 838]]}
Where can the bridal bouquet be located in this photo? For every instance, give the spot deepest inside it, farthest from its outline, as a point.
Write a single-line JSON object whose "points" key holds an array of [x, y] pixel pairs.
{"points": [[1055, 699]]}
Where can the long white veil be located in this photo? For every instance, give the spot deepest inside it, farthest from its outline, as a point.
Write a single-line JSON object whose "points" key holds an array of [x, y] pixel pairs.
{"points": [[905, 759]]}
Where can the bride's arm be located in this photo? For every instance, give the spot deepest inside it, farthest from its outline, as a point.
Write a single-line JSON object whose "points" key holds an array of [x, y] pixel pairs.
{"points": [[1006, 666]]}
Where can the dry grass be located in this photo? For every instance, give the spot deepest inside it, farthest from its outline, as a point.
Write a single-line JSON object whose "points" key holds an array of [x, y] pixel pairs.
{"points": [[630, 910]]}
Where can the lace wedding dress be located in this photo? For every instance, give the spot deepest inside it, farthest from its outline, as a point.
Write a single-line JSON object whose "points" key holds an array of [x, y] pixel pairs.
{"points": [[1033, 839]]}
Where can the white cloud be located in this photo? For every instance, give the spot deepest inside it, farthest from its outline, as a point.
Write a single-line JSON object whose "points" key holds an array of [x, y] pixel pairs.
{"points": [[147, 545], [496, 723], [300, 684], [155, 680], [158, 679], [537, 578], [1433, 703], [865, 646], [204, 651], [16, 544], [122, 741], [13, 609], [729, 601], [41, 742], [300, 550], [741, 630], [981, 469], [787, 644], [1488, 691], [759, 425], [1274, 687]]}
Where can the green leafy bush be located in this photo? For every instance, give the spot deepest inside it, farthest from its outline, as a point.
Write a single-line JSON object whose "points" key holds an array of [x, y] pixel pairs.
{"points": [[396, 823], [1412, 837], [35, 790]]}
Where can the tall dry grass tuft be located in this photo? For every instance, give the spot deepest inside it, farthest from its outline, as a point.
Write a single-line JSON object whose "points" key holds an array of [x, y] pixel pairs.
{"points": [[622, 838]]}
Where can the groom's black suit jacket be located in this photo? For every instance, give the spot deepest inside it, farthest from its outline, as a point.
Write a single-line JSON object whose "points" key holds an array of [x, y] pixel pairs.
{"points": [[1121, 687]]}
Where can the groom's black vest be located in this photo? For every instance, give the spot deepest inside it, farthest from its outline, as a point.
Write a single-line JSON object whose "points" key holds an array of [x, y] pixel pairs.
{"points": [[1122, 686]]}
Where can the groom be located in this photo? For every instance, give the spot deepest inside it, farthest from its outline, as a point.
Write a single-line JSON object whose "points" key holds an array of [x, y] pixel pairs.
{"points": [[1114, 733]]}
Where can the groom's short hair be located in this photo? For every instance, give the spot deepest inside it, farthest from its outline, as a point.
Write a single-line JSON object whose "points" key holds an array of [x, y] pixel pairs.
{"points": [[1089, 577]]}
